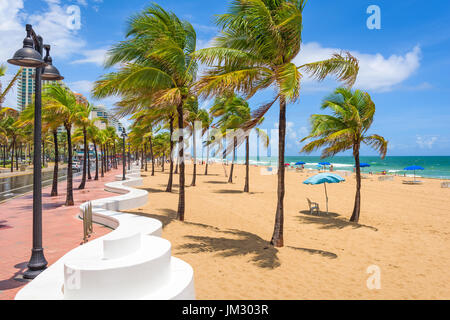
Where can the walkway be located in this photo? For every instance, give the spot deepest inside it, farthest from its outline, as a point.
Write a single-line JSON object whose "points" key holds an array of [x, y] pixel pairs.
{"points": [[62, 229]]}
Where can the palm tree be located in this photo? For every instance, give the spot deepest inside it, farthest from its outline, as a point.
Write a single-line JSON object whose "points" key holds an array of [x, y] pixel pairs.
{"points": [[155, 65], [82, 121], [12, 127], [63, 104], [233, 113], [194, 114], [352, 116], [93, 133], [207, 121], [255, 50], [50, 122]]}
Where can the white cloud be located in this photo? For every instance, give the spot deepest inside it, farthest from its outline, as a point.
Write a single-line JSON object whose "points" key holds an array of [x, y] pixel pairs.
{"points": [[96, 56], [376, 71], [426, 142], [83, 86], [54, 27]]}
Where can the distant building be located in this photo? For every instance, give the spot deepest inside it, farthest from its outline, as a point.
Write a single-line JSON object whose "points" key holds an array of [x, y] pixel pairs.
{"points": [[25, 87], [105, 118]]}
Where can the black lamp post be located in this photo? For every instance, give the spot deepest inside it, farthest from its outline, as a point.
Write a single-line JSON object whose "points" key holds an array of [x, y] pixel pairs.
{"points": [[30, 56], [124, 134]]}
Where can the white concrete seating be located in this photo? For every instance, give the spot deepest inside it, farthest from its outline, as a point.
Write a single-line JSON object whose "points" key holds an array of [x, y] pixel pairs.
{"points": [[131, 262]]}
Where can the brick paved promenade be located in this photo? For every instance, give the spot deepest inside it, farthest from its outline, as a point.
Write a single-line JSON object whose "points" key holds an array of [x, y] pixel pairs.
{"points": [[62, 230]]}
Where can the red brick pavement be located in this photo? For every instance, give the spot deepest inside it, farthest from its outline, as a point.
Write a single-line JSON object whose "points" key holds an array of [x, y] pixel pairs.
{"points": [[62, 230]]}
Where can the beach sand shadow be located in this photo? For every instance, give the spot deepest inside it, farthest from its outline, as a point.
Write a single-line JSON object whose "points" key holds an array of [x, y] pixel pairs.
{"points": [[216, 182], [331, 220], [264, 255], [224, 191]]}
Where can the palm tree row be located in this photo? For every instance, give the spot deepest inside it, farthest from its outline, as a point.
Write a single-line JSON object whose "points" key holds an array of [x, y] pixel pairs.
{"points": [[157, 83]]}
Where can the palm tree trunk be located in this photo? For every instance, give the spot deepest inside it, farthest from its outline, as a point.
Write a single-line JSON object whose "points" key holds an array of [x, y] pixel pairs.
{"points": [[181, 197], [142, 158], [277, 237], [357, 206], [207, 159], [230, 179], [4, 156], [169, 183], [12, 155], [83, 179], [102, 148], [194, 173], [145, 156], [151, 155], [55, 168], [89, 165], [17, 158], [115, 156], [247, 164], [96, 162], [43, 153], [69, 196]]}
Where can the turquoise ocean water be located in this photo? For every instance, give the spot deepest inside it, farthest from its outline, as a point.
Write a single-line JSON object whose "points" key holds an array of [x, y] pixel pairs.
{"points": [[435, 167]]}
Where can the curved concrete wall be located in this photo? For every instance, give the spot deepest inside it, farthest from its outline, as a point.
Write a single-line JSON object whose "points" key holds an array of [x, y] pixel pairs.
{"points": [[131, 262]]}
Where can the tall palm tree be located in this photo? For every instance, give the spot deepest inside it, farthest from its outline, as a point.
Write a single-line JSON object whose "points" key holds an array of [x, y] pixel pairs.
{"points": [[12, 128], [62, 102], [155, 65], [259, 40], [352, 116], [233, 112], [82, 121], [50, 122], [93, 133], [207, 121], [194, 115]]}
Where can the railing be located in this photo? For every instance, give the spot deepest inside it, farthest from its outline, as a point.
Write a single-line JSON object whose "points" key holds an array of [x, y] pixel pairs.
{"points": [[87, 222]]}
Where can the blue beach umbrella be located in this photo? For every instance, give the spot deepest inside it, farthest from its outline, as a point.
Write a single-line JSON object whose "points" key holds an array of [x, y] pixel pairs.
{"points": [[414, 168], [324, 163], [324, 178], [363, 165], [300, 163]]}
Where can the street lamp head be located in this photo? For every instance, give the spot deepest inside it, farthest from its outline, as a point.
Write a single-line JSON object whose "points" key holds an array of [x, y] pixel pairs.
{"points": [[27, 56], [50, 72], [124, 134]]}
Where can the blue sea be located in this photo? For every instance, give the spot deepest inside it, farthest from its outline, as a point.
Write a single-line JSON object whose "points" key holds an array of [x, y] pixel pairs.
{"points": [[435, 166]]}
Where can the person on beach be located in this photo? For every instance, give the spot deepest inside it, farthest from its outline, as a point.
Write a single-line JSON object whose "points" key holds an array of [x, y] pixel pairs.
{"points": [[331, 168]]}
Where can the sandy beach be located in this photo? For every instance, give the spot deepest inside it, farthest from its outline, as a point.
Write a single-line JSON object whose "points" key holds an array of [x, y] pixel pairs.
{"points": [[404, 230]]}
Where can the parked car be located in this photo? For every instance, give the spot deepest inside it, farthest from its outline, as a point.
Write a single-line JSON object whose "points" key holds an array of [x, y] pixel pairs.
{"points": [[76, 166]]}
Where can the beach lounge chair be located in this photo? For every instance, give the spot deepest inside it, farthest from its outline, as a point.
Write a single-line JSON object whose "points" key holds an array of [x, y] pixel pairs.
{"points": [[313, 206], [386, 178], [445, 184], [412, 182]]}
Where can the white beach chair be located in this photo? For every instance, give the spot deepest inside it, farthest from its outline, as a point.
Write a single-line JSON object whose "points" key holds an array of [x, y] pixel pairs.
{"points": [[313, 206], [445, 184]]}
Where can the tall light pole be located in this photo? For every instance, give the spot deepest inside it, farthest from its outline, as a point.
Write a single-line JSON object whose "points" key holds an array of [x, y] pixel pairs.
{"points": [[124, 162], [30, 56]]}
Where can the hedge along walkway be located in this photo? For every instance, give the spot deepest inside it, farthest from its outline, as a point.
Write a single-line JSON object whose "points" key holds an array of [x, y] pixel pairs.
{"points": [[62, 230]]}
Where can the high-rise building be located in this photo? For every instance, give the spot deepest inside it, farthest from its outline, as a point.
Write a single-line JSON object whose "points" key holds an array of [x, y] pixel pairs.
{"points": [[25, 87], [105, 118]]}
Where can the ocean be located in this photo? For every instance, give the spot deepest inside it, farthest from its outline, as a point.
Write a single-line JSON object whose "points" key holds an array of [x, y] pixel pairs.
{"points": [[435, 166]]}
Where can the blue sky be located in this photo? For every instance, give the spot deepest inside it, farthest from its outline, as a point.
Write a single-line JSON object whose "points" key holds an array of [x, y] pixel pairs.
{"points": [[405, 65]]}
